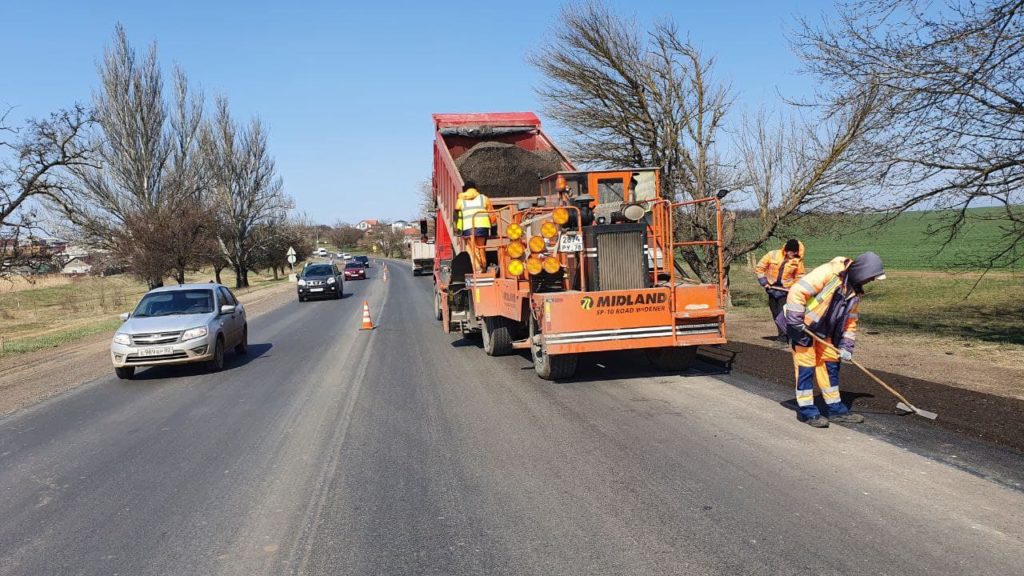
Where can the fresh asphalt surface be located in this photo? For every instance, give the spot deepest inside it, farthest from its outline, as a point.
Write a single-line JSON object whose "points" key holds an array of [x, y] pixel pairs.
{"points": [[407, 451]]}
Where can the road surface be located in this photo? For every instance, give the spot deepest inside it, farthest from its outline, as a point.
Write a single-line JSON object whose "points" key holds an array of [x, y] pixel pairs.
{"points": [[405, 451]]}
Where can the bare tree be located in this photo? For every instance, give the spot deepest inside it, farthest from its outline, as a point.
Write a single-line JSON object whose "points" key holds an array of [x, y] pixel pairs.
{"points": [[388, 241], [639, 96], [149, 179], [33, 174], [247, 190], [344, 235], [950, 76]]}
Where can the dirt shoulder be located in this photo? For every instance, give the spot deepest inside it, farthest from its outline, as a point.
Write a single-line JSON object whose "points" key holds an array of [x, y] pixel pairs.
{"points": [[26, 379], [996, 369]]}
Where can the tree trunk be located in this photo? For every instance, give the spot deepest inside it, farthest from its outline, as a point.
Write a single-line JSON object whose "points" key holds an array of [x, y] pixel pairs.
{"points": [[155, 283], [238, 276], [274, 268], [216, 273], [180, 275]]}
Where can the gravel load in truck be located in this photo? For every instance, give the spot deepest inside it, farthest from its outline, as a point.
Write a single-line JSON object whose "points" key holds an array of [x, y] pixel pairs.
{"points": [[505, 170]]}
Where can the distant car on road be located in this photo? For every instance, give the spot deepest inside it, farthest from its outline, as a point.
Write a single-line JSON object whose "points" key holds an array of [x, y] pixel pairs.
{"points": [[180, 325], [320, 280], [322, 252], [364, 260], [355, 271]]}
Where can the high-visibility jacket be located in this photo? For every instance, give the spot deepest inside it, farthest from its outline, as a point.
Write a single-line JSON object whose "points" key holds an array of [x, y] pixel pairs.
{"points": [[774, 270], [473, 207], [826, 303]]}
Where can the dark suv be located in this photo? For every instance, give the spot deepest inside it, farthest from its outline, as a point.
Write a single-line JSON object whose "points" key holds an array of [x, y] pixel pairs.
{"points": [[319, 280], [364, 260]]}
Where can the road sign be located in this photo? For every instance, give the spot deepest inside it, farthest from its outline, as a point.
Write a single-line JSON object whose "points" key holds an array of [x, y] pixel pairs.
{"points": [[291, 258], [291, 252]]}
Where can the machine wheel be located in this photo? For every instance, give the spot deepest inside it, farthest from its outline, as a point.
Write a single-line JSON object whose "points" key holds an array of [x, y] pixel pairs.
{"points": [[125, 373], [550, 367], [672, 359], [497, 335], [216, 364], [437, 305], [243, 345]]}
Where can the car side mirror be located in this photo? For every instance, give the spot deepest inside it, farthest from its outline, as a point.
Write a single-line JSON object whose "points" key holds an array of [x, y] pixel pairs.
{"points": [[227, 309], [125, 316]]}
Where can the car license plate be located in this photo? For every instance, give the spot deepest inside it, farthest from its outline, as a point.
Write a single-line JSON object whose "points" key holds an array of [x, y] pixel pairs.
{"points": [[570, 243], [316, 289], [164, 351]]}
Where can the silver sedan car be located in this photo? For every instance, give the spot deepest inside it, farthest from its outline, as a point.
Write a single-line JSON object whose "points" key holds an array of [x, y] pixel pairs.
{"points": [[180, 325]]}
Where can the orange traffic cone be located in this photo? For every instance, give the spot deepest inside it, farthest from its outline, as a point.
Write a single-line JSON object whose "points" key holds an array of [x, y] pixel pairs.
{"points": [[367, 323]]}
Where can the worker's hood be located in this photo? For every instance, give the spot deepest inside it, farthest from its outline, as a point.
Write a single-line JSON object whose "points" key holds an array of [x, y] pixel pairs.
{"points": [[470, 194], [799, 253], [865, 268]]}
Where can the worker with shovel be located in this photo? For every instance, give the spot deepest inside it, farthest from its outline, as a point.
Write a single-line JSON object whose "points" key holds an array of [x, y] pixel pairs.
{"points": [[825, 303], [776, 272]]}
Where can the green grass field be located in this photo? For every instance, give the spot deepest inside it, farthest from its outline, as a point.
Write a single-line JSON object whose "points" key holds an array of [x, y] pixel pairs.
{"points": [[922, 302], [910, 242]]}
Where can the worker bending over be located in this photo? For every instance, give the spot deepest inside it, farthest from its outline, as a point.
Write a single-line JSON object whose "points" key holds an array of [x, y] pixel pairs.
{"points": [[474, 218], [776, 272], [826, 302]]}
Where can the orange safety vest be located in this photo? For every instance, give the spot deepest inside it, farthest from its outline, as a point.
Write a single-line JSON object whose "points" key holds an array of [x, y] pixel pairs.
{"points": [[774, 267], [473, 208]]}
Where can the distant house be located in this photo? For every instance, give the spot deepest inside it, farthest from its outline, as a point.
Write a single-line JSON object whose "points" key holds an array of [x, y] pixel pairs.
{"points": [[399, 225], [410, 235], [76, 266], [365, 225]]}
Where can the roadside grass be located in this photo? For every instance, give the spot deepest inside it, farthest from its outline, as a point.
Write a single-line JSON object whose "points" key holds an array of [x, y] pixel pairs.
{"points": [[912, 241], [925, 303], [59, 310]]}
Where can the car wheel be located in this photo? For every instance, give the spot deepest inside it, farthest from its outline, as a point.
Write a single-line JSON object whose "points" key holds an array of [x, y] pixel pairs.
{"points": [[125, 373], [216, 364], [243, 345]]}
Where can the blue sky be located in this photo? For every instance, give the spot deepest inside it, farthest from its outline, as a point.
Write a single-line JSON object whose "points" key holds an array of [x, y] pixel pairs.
{"points": [[347, 90]]}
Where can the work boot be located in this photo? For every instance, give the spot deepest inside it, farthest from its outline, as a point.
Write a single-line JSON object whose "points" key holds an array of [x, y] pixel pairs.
{"points": [[781, 343], [849, 418], [818, 422]]}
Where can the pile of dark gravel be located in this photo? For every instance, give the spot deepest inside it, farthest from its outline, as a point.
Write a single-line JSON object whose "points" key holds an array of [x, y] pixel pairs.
{"points": [[504, 170]]}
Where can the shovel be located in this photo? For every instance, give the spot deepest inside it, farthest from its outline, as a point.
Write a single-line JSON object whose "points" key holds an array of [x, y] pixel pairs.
{"points": [[904, 405]]}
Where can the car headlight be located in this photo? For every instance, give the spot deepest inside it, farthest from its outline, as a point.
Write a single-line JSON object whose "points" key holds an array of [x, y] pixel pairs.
{"points": [[194, 333], [330, 280], [121, 338], [302, 282]]}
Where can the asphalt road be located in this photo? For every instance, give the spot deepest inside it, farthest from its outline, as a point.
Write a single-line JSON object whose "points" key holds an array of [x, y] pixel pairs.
{"points": [[405, 451]]}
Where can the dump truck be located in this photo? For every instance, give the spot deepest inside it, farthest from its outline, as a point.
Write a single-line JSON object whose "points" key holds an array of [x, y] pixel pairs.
{"points": [[580, 261], [422, 256]]}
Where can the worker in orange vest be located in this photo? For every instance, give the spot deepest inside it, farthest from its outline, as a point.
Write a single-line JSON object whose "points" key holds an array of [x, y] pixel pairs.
{"points": [[474, 218], [777, 271], [827, 303]]}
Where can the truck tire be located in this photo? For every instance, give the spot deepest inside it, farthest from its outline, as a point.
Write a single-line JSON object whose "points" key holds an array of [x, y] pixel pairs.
{"points": [[672, 359], [549, 367], [497, 335]]}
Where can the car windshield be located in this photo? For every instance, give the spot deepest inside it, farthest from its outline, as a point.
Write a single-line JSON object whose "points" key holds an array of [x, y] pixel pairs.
{"points": [[362, 259], [172, 302], [317, 271], [353, 265]]}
